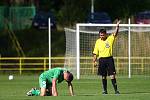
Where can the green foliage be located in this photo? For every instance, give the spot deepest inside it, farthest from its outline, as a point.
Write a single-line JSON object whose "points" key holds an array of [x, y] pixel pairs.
{"points": [[69, 12], [72, 12], [34, 43], [121, 8], [2, 2]]}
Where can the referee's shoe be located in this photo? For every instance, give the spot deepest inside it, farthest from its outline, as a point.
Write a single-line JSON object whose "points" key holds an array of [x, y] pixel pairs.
{"points": [[104, 92], [117, 92]]}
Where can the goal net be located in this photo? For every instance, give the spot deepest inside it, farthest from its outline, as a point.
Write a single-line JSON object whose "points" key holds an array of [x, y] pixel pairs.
{"points": [[131, 49]]}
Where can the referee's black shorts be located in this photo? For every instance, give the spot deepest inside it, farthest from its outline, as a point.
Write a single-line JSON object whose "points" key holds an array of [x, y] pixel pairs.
{"points": [[106, 66]]}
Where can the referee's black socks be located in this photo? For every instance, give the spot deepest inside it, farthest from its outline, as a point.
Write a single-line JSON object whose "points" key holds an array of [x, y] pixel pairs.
{"points": [[104, 81], [114, 83]]}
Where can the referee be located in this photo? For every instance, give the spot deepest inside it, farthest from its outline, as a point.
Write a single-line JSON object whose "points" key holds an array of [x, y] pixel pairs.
{"points": [[103, 50]]}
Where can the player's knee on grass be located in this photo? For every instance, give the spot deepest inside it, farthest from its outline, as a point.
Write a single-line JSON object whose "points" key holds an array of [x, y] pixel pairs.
{"points": [[43, 92]]}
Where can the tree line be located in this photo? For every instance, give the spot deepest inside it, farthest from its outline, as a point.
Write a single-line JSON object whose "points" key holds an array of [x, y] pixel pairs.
{"points": [[69, 12]]}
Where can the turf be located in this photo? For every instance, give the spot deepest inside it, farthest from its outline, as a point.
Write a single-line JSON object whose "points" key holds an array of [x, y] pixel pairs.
{"points": [[137, 88]]}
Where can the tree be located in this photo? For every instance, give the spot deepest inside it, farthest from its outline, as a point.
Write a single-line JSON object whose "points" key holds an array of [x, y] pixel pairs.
{"points": [[73, 11], [121, 8]]}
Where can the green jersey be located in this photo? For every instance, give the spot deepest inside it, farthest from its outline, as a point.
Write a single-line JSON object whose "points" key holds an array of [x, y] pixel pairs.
{"points": [[45, 79]]}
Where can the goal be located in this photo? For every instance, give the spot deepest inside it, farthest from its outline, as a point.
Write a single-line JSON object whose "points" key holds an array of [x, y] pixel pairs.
{"points": [[130, 51]]}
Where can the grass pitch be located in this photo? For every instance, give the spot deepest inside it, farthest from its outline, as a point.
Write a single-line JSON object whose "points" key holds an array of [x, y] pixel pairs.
{"points": [[88, 89]]}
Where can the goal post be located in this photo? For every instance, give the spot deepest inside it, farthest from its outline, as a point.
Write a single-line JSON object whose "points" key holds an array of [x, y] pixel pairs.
{"points": [[130, 49]]}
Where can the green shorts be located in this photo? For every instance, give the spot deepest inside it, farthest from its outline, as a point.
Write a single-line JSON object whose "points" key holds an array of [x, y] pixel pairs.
{"points": [[43, 82]]}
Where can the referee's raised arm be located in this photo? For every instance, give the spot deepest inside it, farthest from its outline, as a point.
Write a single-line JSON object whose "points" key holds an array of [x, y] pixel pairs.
{"points": [[117, 28]]}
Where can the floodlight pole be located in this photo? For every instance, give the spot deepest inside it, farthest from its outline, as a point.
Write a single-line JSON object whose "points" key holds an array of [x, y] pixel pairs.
{"points": [[49, 38], [92, 6]]}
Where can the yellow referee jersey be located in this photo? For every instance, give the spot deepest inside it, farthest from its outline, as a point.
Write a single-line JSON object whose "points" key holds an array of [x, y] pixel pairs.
{"points": [[104, 48]]}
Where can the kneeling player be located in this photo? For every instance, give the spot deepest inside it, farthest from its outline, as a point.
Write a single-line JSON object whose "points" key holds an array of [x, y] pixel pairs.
{"points": [[48, 82]]}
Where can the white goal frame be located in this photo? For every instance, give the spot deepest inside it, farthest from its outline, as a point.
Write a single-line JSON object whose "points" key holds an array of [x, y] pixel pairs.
{"points": [[89, 24]]}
